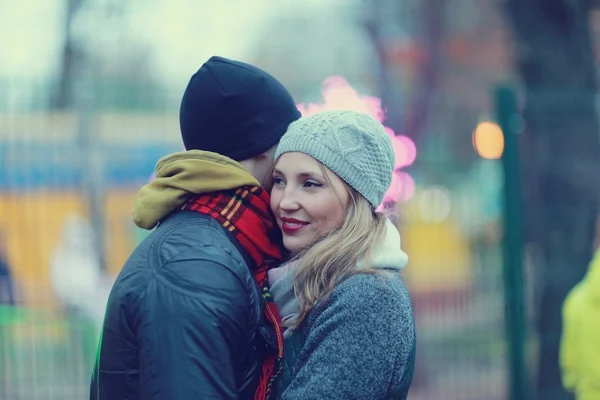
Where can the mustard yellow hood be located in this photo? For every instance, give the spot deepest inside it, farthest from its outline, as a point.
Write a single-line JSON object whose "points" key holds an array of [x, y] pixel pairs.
{"points": [[180, 175]]}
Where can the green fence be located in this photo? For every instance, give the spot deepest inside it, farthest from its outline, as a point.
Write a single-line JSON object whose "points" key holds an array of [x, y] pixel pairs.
{"points": [[44, 355]]}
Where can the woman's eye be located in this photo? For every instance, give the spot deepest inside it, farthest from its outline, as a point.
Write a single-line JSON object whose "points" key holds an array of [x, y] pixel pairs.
{"points": [[277, 181], [312, 184]]}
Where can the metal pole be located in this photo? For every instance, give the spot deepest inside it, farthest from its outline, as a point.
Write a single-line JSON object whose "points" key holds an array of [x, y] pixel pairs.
{"points": [[90, 148], [515, 320]]}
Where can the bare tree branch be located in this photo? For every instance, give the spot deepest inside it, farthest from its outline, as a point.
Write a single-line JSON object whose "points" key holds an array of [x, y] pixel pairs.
{"points": [[63, 95]]}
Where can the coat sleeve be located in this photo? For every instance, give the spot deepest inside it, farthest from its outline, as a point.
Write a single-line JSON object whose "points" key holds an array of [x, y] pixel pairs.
{"points": [[360, 346], [568, 362], [192, 332]]}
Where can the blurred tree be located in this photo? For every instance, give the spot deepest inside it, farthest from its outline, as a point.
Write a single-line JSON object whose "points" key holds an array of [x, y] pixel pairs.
{"points": [[103, 62], [421, 48], [103, 67], [561, 157], [71, 53], [324, 45]]}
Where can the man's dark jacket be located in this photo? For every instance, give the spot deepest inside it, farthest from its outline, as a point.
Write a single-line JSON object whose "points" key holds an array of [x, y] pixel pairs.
{"points": [[185, 318]]}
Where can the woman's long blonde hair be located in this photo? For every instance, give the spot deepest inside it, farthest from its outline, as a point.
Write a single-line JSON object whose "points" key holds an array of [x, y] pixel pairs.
{"points": [[336, 256]]}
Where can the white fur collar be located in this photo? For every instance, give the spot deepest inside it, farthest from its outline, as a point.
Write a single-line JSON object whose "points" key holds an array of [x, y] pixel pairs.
{"points": [[389, 254]]}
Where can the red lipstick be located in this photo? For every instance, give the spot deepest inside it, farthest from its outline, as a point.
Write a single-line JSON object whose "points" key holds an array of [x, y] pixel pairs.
{"points": [[292, 225]]}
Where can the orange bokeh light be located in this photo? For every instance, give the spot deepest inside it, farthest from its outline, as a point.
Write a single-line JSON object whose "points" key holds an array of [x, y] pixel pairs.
{"points": [[488, 140]]}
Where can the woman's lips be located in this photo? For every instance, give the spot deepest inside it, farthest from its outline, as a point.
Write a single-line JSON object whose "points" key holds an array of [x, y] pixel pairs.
{"points": [[291, 225]]}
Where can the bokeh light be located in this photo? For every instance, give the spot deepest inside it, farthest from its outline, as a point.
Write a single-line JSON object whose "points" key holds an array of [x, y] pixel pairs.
{"points": [[338, 94], [435, 204], [488, 140], [402, 188], [405, 150]]}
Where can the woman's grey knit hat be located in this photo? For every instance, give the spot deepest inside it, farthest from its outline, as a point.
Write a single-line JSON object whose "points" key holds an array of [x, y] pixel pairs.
{"points": [[352, 144]]}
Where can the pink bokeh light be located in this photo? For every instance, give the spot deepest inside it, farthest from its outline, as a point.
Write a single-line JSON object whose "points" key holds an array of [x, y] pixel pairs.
{"points": [[405, 151], [338, 94], [402, 188]]}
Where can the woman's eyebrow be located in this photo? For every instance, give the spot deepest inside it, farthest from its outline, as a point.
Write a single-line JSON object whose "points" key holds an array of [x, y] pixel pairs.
{"points": [[311, 175], [306, 174]]}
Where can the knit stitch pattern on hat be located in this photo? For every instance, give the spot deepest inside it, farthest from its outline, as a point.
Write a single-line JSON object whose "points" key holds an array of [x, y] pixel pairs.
{"points": [[353, 145]]}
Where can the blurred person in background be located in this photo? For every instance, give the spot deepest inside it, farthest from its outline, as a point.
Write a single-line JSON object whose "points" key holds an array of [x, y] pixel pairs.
{"points": [[79, 283], [580, 342], [350, 327], [75, 273], [7, 291], [190, 315]]}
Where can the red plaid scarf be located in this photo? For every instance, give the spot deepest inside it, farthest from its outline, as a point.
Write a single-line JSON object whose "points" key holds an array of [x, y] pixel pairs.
{"points": [[245, 213]]}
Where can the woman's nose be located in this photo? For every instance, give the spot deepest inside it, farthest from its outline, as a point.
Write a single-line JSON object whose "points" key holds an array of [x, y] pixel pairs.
{"points": [[288, 201]]}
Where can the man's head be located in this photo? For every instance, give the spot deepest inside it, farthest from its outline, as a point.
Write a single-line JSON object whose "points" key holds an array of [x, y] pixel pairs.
{"points": [[236, 110]]}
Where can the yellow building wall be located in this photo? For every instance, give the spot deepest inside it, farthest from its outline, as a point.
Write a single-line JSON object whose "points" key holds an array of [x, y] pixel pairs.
{"points": [[31, 224], [439, 257]]}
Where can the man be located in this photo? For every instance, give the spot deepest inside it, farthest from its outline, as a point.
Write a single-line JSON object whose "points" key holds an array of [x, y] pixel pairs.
{"points": [[189, 316]]}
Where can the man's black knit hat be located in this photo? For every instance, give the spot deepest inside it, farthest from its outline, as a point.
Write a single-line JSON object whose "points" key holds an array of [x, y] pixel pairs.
{"points": [[234, 109]]}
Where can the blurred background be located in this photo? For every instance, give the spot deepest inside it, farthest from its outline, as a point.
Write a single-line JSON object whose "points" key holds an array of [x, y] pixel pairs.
{"points": [[492, 104]]}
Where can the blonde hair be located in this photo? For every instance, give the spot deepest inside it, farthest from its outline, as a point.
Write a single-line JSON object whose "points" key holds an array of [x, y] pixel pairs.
{"points": [[336, 256]]}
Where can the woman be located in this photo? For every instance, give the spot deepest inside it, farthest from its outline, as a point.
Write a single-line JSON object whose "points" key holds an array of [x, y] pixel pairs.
{"points": [[350, 329]]}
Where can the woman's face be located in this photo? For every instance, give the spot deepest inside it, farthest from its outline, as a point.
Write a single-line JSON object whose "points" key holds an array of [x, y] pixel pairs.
{"points": [[306, 203]]}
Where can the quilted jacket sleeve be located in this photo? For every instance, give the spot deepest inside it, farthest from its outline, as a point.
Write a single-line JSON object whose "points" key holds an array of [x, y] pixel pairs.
{"points": [[192, 330]]}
